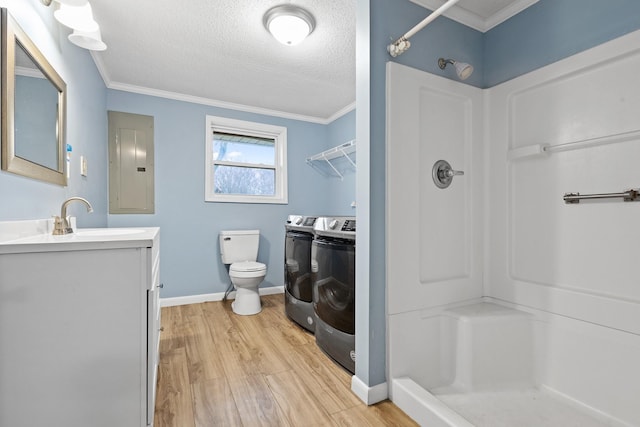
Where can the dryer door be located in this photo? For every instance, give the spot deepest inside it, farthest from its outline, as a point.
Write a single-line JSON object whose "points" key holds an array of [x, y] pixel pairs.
{"points": [[297, 265], [334, 283]]}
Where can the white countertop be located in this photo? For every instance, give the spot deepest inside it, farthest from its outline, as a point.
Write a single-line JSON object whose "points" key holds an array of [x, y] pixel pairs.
{"points": [[84, 239]]}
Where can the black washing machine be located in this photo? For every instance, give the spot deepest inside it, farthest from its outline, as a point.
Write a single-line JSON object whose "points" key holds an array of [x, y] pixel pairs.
{"points": [[298, 293], [333, 266]]}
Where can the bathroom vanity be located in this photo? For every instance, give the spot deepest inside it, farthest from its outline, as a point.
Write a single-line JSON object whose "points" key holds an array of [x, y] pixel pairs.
{"points": [[79, 328]]}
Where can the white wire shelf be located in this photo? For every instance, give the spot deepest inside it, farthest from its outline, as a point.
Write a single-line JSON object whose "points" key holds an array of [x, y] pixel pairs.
{"points": [[342, 151]]}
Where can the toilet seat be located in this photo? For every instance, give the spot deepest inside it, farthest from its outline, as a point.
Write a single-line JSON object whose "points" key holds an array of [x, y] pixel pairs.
{"points": [[247, 269]]}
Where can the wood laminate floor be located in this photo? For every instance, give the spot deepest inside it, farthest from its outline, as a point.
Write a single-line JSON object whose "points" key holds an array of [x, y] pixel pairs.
{"points": [[221, 369]]}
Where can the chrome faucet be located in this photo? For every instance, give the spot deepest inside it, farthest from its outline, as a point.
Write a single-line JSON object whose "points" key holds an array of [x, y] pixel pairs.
{"points": [[62, 223]]}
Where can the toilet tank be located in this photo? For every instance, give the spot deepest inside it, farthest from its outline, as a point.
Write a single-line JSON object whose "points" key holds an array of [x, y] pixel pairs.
{"points": [[239, 245]]}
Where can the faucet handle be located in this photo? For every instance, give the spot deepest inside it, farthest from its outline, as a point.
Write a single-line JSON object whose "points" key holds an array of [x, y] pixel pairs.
{"points": [[58, 226]]}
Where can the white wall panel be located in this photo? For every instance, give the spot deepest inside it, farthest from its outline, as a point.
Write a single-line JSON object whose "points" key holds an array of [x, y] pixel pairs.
{"points": [[434, 236], [589, 102], [445, 131], [573, 260], [594, 365], [585, 247]]}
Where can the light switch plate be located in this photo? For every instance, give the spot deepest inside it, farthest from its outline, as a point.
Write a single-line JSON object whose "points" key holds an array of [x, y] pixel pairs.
{"points": [[83, 166]]}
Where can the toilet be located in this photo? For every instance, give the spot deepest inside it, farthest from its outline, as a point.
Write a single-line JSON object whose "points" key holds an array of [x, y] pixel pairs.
{"points": [[239, 248]]}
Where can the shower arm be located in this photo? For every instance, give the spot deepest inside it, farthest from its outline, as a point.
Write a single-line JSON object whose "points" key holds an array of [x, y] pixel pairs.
{"points": [[402, 44]]}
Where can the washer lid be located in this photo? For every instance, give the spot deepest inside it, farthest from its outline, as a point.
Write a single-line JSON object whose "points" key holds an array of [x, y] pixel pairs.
{"points": [[247, 266]]}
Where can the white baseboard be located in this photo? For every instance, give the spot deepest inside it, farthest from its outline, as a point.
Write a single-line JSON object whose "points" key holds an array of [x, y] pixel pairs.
{"points": [[195, 299], [369, 395]]}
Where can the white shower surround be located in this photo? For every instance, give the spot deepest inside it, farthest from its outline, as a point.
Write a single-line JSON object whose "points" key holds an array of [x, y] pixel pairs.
{"points": [[569, 267]]}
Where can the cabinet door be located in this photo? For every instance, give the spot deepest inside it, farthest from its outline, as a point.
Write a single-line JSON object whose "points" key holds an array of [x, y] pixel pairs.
{"points": [[70, 330], [153, 339]]}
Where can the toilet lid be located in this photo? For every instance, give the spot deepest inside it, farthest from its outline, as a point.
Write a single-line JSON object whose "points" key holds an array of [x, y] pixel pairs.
{"points": [[247, 266]]}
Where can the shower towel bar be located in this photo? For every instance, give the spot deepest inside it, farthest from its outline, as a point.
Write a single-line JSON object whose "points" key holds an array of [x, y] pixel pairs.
{"points": [[540, 149], [628, 196]]}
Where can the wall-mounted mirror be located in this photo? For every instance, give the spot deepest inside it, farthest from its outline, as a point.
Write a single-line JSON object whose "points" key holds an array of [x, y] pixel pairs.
{"points": [[33, 109]]}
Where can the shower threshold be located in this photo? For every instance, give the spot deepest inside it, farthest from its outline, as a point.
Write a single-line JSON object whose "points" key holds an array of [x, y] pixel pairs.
{"points": [[528, 407], [523, 408]]}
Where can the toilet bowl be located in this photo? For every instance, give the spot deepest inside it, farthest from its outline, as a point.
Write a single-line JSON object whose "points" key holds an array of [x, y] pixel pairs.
{"points": [[246, 276], [239, 250]]}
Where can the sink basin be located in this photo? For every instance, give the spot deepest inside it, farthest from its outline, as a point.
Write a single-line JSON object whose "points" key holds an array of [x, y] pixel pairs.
{"points": [[97, 232]]}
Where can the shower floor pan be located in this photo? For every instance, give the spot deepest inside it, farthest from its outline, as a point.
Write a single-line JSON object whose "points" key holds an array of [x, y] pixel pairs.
{"points": [[490, 372], [505, 408], [526, 408]]}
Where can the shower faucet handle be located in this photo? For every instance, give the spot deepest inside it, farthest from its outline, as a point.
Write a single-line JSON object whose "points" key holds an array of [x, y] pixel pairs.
{"points": [[442, 174], [451, 173]]}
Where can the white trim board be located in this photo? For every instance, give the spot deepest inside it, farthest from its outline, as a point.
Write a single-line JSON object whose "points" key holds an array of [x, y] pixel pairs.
{"points": [[196, 299], [141, 90], [369, 395]]}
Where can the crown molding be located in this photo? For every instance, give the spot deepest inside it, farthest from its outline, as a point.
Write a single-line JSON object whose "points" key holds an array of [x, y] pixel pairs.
{"points": [[211, 102], [474, 20]]}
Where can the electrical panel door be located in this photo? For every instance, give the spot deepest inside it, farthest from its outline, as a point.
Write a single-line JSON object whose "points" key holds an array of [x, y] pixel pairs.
{"points": [[131, 165]]}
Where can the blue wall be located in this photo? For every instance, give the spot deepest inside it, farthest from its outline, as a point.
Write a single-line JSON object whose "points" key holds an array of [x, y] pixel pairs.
{"points": [[551, 30], [548, 31], [191, 262], [342, 192], [443, 38], [25, 198]]}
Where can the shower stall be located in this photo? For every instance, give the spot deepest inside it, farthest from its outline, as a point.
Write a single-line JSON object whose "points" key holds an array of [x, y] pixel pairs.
{"points": [[507, 306]]}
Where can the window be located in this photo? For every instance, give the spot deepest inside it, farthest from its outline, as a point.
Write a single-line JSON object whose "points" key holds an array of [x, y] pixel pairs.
{"points": [[246, 162]]}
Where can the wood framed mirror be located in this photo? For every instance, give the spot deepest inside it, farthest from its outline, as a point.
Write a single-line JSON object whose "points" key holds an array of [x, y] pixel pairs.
{"points": [[33, 109]]}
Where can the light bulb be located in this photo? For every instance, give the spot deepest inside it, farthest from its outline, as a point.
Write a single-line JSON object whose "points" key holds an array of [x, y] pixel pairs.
{"points": [[289, 30]]}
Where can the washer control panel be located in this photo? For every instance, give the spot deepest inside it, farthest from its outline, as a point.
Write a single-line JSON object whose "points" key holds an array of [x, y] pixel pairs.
{"points": [[341, 227], [301, 223]]}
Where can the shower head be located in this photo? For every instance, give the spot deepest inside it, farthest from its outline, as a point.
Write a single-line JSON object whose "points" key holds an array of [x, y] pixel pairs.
{"points": [[463, 70]]}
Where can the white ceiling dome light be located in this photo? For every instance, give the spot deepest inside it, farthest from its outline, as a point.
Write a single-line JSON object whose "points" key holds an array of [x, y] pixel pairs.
{"points": [[289, 24]]}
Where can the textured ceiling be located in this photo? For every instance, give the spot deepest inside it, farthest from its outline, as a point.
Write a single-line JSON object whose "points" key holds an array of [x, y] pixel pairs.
{"points": [[218, 52]]}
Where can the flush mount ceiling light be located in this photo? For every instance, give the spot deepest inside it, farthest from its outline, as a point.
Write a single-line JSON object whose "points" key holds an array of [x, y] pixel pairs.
{"points": [[289, 24], [463, 70]]}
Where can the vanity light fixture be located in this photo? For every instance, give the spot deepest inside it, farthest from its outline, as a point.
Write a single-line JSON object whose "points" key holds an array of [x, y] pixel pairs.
{"points": [[68, 2], [289, 24], [463, 70], [88, 40], [77, 15]]}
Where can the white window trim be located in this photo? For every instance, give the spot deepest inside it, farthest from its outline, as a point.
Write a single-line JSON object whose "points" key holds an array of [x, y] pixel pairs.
{"points": [[242, 127]]}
